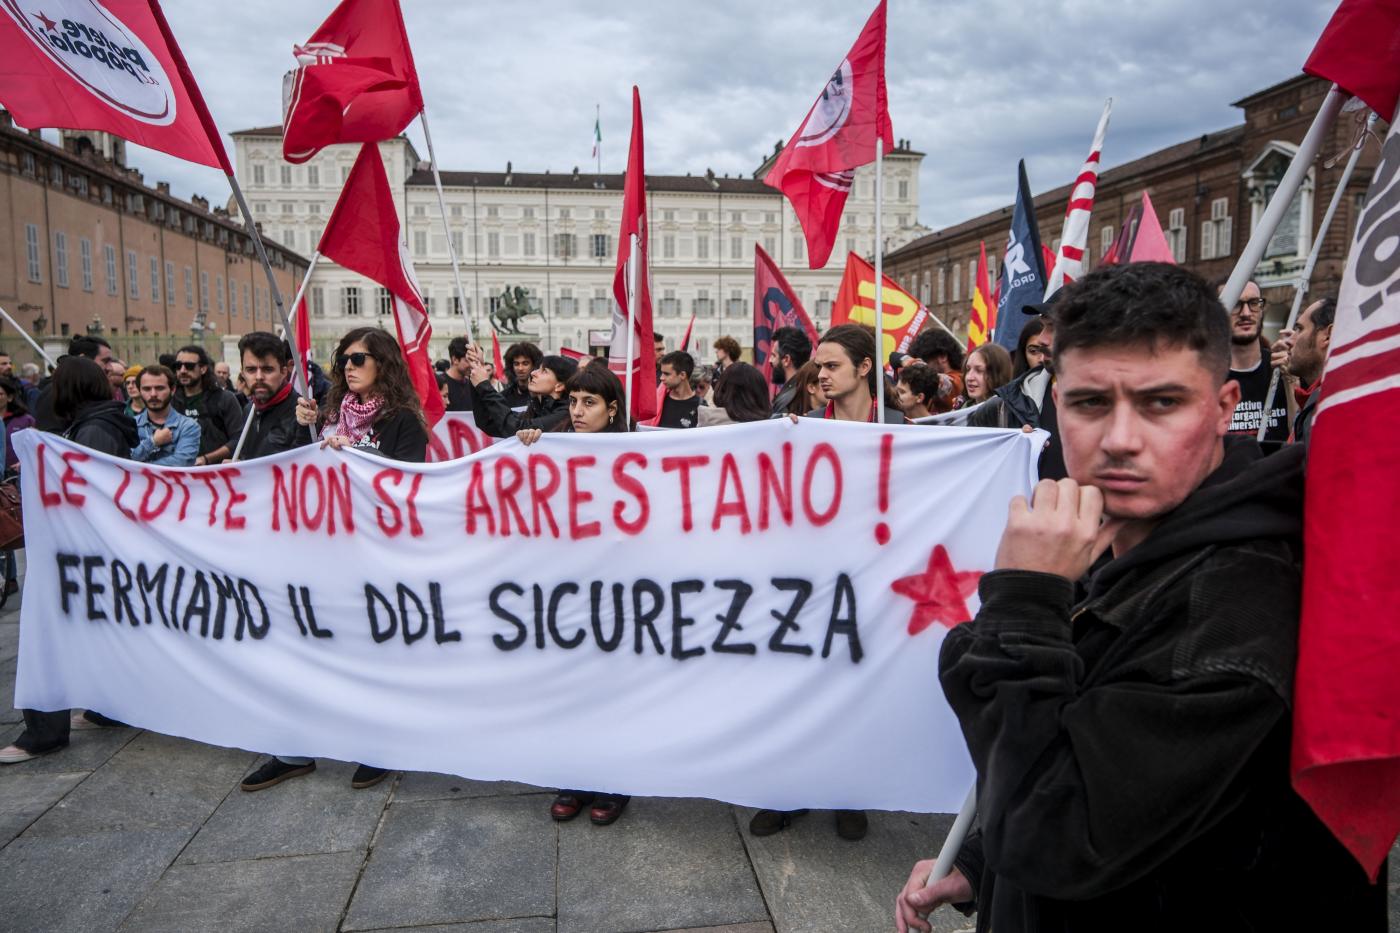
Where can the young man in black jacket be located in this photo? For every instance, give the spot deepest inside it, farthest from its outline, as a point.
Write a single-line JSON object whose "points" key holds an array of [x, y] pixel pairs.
{"points": [[1125, 689], [219, 415], [267, 368]]}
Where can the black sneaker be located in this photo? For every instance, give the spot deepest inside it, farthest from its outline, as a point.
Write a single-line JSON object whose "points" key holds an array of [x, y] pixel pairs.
{"points": [[768, 822], [273, 772], [367, 776], [851, 824]]}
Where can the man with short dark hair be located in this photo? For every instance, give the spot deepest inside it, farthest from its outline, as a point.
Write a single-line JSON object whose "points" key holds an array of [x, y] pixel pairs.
{"points": [[846, 372], [94, 348], [1251, 367], [680, 406], [457, 371], [1125, 689], [7, 365], [521, 359], [937, 348], [919, 389], [789, 350], [167, 438], [267, 370], [219, 415], [1302, 353]]}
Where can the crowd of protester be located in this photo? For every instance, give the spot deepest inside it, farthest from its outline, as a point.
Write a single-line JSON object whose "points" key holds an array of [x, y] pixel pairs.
{"points": [[186, 410]]}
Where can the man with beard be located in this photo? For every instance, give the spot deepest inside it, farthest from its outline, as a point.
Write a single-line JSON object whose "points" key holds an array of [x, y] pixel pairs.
{"points": [[168, 438], [1125, 690], [1251, 368], [199, 397], [267, 368]]}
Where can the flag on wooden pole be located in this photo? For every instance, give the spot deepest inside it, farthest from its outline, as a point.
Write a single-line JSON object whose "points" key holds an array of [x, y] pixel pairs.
{"points": [[633, 357]]}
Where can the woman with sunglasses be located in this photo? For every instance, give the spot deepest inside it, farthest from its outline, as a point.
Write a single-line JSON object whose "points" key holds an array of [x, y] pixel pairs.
{"points": [[596, 406], [371, 406]]}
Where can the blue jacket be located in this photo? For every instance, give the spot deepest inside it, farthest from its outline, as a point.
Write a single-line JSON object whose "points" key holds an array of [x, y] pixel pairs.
{"points": [[179, 452]]}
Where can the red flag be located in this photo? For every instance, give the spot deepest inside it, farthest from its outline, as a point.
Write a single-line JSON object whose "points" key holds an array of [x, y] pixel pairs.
{"points": [[1150, 244], [303, 331], [855, 303], [1346, 695], [355, 81], [113, 67], [775, 305], [816, 167], [641, 401], [572, 354], [685, 341], [496, 356], [363, 236], [1360, 51]]}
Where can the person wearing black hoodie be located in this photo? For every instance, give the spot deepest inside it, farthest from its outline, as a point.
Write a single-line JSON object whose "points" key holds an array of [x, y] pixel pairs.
{"points": [[272, 419], [548, 407], [1125, 689], [82, 400]]}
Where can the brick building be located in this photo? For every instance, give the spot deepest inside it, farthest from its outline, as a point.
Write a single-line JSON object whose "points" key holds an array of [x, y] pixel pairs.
{"points": [[90, 248], [1208, 193]]}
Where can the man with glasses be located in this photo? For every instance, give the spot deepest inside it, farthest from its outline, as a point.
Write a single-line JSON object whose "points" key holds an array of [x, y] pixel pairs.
{"points": [[1250, 366], [199, 397]]}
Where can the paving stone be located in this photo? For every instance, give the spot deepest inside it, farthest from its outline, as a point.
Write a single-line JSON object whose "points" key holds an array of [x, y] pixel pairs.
{"points": [[87, 750], [7, 690], [519, 925], [154, 782], [9, 636], [317, 813], [732, 928], [451, 861], [302, 894], [814, 881], [666, 864], [25, 797], [422, 785], [83, 883]]}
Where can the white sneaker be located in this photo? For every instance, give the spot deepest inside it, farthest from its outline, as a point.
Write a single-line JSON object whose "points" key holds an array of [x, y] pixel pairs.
{"points": [[13, 754]]}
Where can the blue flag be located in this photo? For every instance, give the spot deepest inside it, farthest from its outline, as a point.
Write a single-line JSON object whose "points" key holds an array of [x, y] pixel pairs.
{"points": [[1022, 269]]}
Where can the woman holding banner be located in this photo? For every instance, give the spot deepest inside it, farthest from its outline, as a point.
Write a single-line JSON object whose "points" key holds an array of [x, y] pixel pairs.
{"points": [[596, 406], [82, 398], [371, 406]]}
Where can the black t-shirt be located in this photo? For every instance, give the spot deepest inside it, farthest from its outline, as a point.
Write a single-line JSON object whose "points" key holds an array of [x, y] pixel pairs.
{"points": [[459, 395], [1254, 385], [676, 414]]}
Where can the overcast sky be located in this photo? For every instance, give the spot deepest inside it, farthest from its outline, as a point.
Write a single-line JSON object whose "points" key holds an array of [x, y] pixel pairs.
{"points": [[975, 84]]}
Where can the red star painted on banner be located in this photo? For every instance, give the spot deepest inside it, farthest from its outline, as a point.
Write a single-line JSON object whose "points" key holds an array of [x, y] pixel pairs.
{"points": [[49, 25], [939, 593]]}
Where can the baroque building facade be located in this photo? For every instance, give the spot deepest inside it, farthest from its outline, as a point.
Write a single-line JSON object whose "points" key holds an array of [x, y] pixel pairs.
{"points": [[555, 236], [1209, 194]]}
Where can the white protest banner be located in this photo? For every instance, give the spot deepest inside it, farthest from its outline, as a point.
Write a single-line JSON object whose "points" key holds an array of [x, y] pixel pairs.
{"points": [[456, 435], [750, 613]]}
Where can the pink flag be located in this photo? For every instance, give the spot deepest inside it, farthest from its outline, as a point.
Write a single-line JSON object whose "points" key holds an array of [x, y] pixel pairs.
{"points": [[1151, 244]]}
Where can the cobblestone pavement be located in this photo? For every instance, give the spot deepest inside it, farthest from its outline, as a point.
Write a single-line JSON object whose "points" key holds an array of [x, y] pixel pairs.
{"points": [[134, 831]]}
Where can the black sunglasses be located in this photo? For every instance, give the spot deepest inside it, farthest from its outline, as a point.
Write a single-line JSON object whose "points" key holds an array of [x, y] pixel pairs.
{"points": [[357, 358], [179, 364]]}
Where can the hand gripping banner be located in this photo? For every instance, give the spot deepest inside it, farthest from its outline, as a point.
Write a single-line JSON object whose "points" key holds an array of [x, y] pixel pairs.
{"points": [[752, 616]]}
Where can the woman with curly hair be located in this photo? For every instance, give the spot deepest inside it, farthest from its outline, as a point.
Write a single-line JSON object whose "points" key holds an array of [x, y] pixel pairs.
{"points": [[371, 404]]}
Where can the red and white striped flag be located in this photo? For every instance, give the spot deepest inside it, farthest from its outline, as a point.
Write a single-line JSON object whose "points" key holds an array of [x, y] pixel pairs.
{"points": [[1346, 696], [1074, 237]]}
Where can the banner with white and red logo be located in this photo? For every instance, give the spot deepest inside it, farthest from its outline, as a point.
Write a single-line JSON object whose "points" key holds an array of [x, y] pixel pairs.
{"points": [[109, 65], [750, 613]]}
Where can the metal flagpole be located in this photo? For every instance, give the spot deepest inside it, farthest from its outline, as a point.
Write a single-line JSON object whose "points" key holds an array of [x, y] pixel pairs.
{"points": [[631, 322], [879, 283], [598, 134], [301, 289], [1305, 277], [30, 340], [289, 335], [252, 228], [442, 206], [1283, 197], [954, 840]]}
